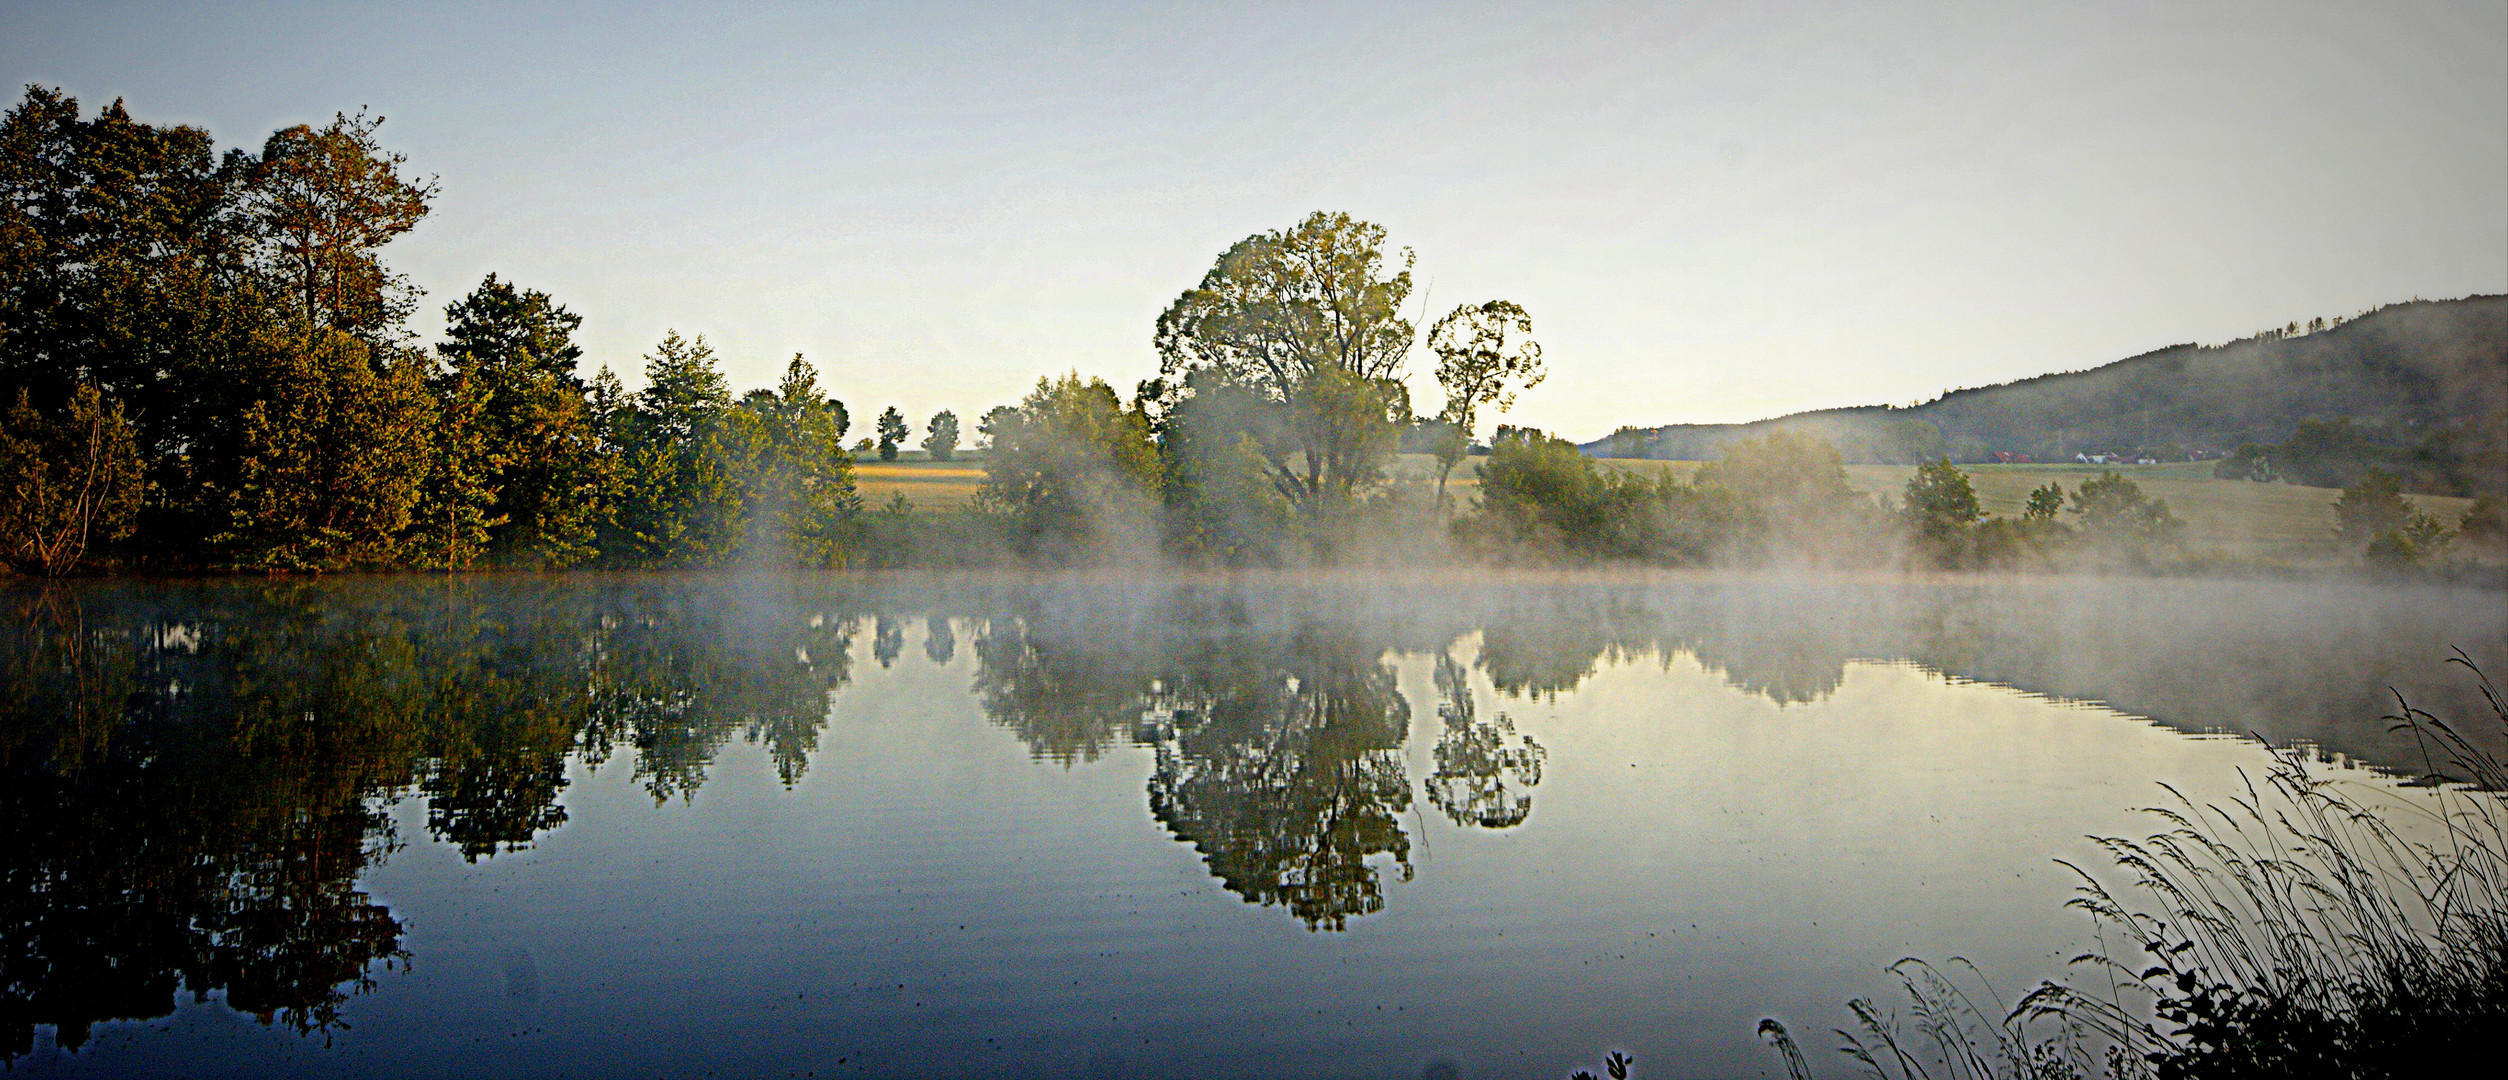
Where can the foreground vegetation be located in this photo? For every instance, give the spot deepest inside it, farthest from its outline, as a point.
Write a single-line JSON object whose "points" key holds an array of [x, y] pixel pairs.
{"points": [[2315, 927]]}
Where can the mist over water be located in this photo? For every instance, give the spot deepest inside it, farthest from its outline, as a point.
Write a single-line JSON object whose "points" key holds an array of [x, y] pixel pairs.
{"points": [[1104, 824]]}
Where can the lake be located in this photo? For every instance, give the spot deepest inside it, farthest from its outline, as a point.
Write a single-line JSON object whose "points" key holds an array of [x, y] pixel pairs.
{"points": [[1355, 825]]}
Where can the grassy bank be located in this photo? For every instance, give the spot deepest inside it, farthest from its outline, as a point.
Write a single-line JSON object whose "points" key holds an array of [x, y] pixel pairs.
{"points": [[2275, 520], [2315, 926], [2272, 521]]}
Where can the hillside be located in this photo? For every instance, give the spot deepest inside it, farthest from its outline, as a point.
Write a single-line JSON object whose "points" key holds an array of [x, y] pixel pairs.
{"points": [[2400, 373]]}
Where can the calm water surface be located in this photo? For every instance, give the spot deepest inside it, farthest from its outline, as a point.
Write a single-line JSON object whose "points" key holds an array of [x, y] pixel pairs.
{"points": [[1094, 827]]}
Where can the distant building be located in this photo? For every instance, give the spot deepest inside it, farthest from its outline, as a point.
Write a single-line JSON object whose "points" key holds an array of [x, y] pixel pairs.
{"points": [[2008, 457]]}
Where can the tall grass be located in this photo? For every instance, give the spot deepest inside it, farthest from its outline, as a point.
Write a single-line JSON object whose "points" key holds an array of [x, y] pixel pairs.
{"points": [[2308, 927]]}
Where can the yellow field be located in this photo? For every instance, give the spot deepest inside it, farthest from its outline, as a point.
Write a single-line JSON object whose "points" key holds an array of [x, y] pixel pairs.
{"points": [[2276, 520], [927, 484]]}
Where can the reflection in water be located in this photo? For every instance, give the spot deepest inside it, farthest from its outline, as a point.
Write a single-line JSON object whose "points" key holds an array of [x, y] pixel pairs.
{"points": [[1278, 755], [192, 780], [194, 777], [1476, 760], [888, 639], [1282, 766]]}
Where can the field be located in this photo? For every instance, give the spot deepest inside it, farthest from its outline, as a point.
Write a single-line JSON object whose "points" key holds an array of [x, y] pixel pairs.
{"points": [[2274, 520], [929, 485]]}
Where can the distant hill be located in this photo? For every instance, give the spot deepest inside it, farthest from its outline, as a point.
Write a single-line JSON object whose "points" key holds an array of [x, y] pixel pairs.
{"points": [[2402, 373]]}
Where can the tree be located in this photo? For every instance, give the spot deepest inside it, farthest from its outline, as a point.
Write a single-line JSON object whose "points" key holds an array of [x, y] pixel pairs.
{"points": [[2325, 453], [456, 502], [324, 469], [1485, 354], [120, 257], [68, 483], [679, 506], [1797, 485], [545, 460], [893, 431], [941, 442], [2371, 508], [1940, 500], [1072, 469], [324, 201], [2248, 462], [787, 454], [1306, 320], [2114, 507], [2044, 501]]}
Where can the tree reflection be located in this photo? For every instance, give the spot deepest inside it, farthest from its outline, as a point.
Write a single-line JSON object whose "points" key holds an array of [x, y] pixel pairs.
{"points": [[193, 778], [1484, 770], [1284, 770], [1278, 757], [1066, 697]]}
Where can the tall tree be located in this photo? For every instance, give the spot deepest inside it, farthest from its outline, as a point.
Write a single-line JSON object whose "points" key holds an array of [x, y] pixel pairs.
{"points": [[679, 505], [1485, 355], [324, 469], [786, 451], [326, 200], [68, 483], [515, 349], [456, 512], [893, 432], [940, 438], [1073, 469], [122, 268], [1308, 320]]}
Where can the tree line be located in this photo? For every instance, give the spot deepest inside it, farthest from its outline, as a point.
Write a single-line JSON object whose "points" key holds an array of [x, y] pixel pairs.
{"points": [[205, 365]]}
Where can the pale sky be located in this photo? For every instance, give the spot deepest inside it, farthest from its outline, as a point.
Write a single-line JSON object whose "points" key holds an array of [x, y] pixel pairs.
{"points": [[1714, 212]]}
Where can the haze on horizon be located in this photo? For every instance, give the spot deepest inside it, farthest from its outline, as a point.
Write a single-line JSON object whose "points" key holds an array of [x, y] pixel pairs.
{"points": [[1714, 212]]}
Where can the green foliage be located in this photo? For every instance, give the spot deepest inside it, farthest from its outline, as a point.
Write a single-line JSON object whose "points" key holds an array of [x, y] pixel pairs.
{"points": [[1798, 484], [680, 505], [122, 257], [1305, 320], [324, 468], [2371, 507], [786, 452], [940, 438], [1939, 499], [2044, 501], [1073, 471], [2113, 508], [68, 482], [546, 464], [323, 201], [2325, 453], [893, 432], [1542, 497], [456, 502], [2248, 462], [1221, 503], [1941, 509], [1485, 355]]}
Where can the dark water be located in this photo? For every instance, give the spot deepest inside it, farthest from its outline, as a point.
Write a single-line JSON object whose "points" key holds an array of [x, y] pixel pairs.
{"points": [[1094, 827]]}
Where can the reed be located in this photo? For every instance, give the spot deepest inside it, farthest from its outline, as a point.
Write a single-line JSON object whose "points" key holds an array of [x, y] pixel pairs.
{"points": [[2308, 927]]}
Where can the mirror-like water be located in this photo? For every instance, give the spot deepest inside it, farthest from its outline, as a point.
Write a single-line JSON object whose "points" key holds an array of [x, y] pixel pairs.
{"points": [[1085, 827]]}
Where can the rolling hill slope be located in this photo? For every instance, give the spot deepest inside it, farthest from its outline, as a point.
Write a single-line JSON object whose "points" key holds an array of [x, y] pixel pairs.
{"points": [[2400, 372]]}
